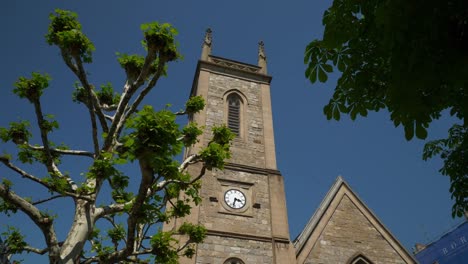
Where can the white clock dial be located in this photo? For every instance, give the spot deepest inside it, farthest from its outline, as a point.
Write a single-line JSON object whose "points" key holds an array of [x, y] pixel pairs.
{"points": [[234, 199]]}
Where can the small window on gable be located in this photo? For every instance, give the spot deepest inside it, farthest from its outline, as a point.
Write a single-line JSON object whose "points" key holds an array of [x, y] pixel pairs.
{"points": [[234, 113], [233, 261], [360, 259]]}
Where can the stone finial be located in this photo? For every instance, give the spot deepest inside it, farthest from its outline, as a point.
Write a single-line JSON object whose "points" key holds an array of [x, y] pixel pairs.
{"points": [[206, 49], [262, 61]]}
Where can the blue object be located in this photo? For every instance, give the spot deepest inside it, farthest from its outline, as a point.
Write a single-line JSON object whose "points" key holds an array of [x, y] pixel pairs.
{"points": [[451, 248]]}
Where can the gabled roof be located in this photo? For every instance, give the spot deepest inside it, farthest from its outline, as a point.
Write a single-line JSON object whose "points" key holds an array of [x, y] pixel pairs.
{"points": [[310, 235]]}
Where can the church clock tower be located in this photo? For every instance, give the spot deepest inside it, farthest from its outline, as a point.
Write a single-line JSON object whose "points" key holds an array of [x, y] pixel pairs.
{"points": [[244, 206]]}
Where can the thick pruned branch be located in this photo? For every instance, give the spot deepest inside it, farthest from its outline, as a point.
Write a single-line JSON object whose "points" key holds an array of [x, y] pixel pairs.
{"points": [[145, 184], [120, 255], [122, 111], [146, 90], [81, 74], [42, 221]]}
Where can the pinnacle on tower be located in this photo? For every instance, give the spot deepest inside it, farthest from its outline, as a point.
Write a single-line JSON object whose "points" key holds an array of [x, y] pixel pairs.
{"points": [[206, 48], [262, 61]]}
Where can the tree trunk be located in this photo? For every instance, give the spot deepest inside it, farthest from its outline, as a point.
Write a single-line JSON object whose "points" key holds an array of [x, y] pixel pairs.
{"points": [[83, 225]]}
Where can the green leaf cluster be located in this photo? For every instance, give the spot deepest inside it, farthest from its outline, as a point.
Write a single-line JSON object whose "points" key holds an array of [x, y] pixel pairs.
{"points": [[28, 155], [163, 249], [396, 56], [32, 88], [453, 150], [407, 58], [133, 64], [117, 233], [65, 32], [5, 206], [155, 135], [191, 133], [18, 132], [14, 241], [107, 96], [217, 151], [194, 105], [160, 38]]}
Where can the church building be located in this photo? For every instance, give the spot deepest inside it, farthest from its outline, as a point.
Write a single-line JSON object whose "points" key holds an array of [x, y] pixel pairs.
{"points": [[244, 205]]}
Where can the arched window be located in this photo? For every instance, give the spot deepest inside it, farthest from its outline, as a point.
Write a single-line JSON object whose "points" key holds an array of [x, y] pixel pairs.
{"points": [[234, 113], [360, 259], [233, 261]]}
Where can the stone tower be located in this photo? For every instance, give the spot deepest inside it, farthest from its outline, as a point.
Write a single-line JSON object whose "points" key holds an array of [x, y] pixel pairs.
{"points": [[243, 207]]}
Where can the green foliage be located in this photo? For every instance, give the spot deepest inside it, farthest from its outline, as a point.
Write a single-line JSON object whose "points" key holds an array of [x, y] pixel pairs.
{"points": [[58, 184], [107, 96], [32, 88], [65, 32], [161, 244], [5, 206], [79, 94], [196, 233], [117, 233], [49, 124], [160, 38], [18, 132], [133, 64], [194, 105], [222, 135], [28, 155], [191, 133], [453, 150], [407, 58], [155, 135], [14, 241], [218, 149], [151, 138], [104, 167]]}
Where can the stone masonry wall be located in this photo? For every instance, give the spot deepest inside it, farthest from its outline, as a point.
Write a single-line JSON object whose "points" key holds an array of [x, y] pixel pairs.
{"points": [[347, 233], [216, 249], [248, 149], [253, 221]]}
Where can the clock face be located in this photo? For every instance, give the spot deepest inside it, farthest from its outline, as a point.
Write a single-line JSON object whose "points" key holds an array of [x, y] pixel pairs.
{"points": [[234, 199]]}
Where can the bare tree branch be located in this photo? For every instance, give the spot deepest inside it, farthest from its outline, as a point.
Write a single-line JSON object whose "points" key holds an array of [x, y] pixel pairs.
{"points": [[81, 74], [40, 181], [146, 90], [189, 160], [23, 173], [43, 222], [45, 141], [63, 151], [48, 199], [109, 108], [145, 184], [36, 250], [129, 89]]}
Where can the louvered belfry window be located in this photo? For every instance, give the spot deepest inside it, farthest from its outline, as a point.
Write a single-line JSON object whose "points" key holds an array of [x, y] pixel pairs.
{"points": [[234, 107]]}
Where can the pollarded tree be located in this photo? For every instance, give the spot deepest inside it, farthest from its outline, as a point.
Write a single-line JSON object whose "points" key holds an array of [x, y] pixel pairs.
{"points": [[121, 132], [407, 57]]}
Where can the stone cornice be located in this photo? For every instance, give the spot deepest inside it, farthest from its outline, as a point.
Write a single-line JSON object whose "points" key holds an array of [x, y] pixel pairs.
{"points": [[251, 169], [234, 69], [247, 236]]}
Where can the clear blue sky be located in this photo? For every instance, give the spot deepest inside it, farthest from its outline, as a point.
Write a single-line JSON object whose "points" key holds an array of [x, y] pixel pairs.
{"points": [[407, 194]]}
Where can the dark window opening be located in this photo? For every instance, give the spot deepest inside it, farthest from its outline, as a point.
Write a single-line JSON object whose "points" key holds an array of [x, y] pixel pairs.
{"points": [[233, 261], [360, 259], [234, 115]]}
